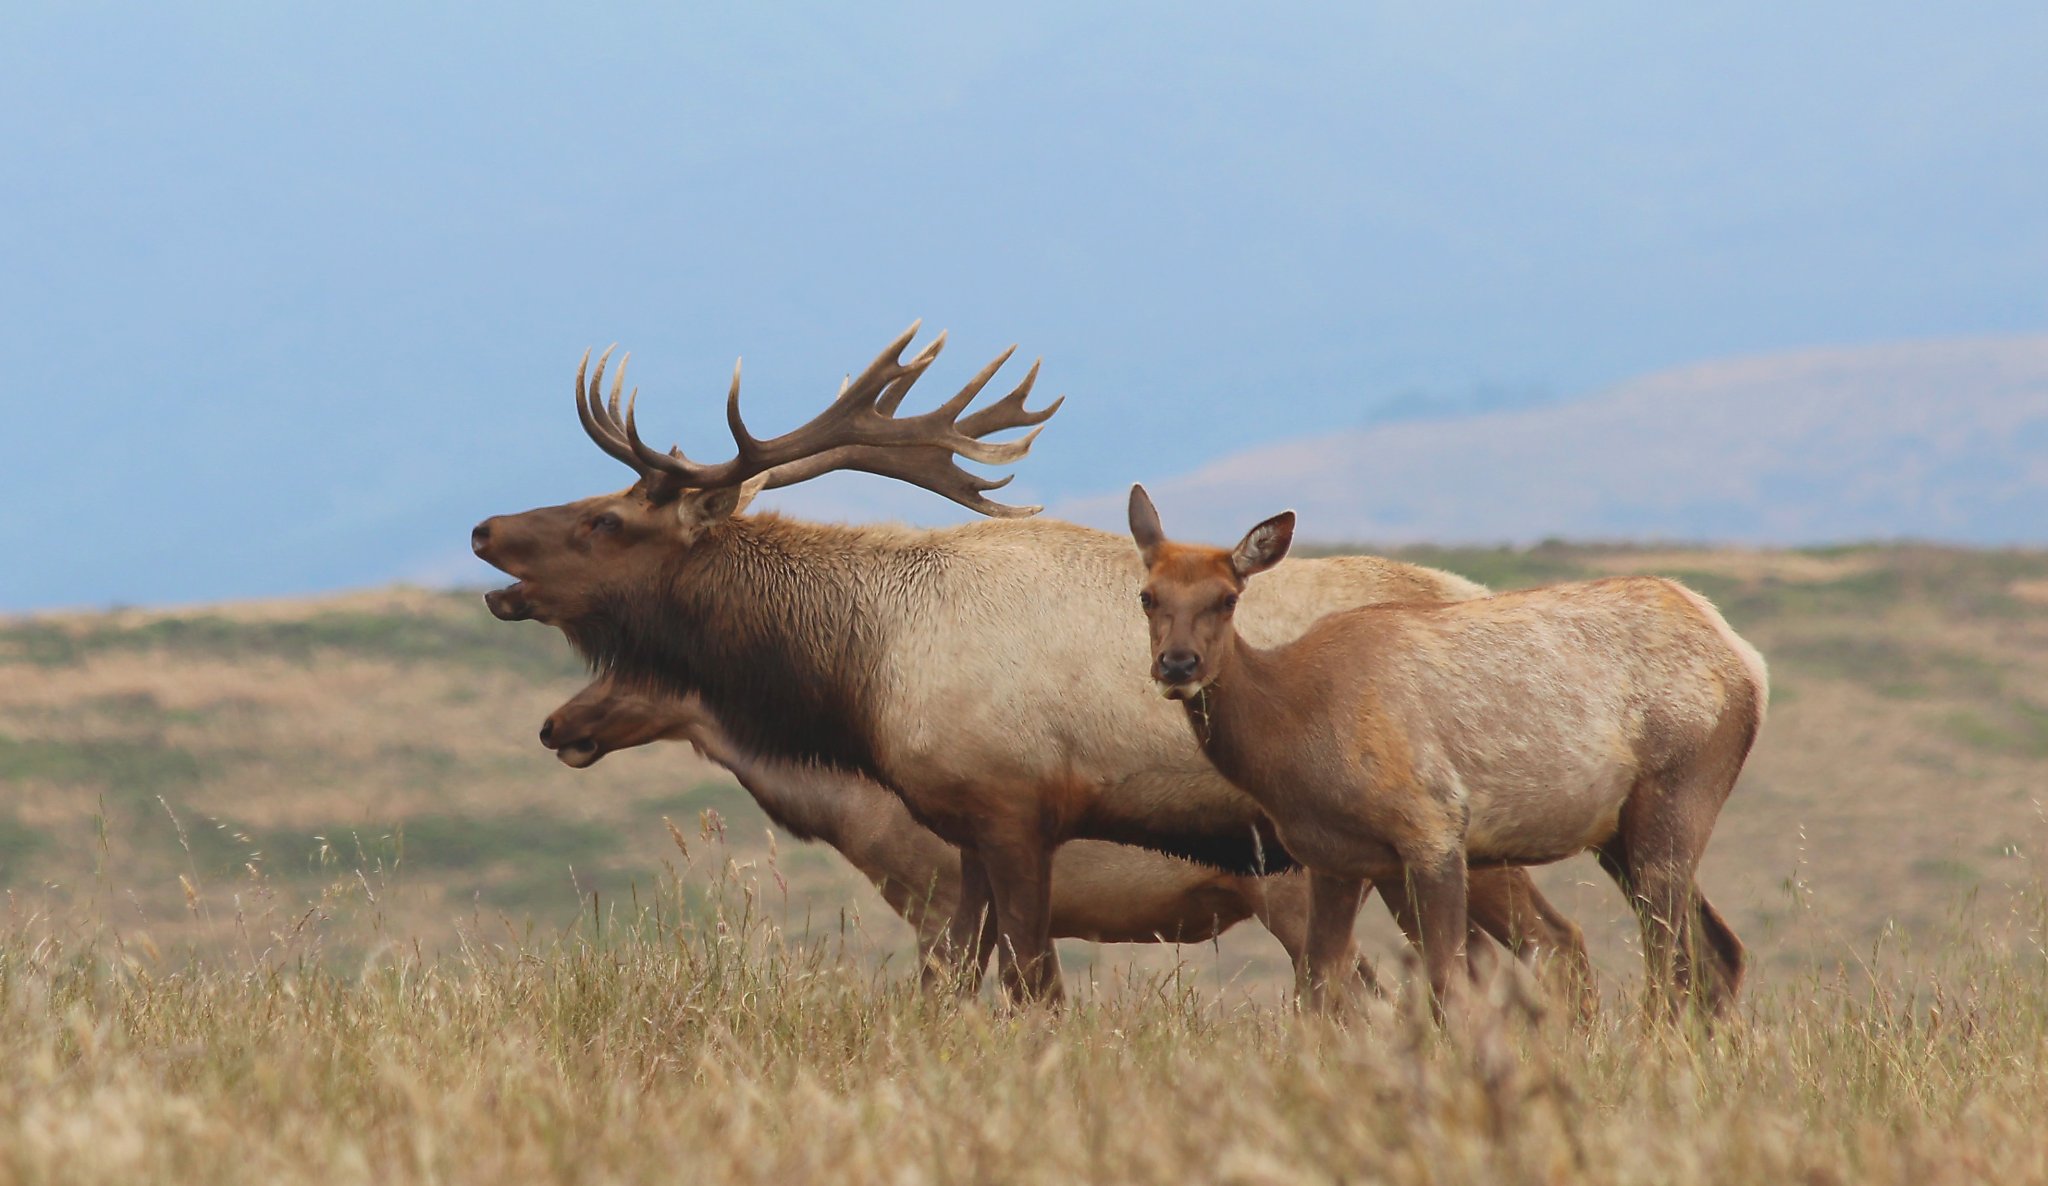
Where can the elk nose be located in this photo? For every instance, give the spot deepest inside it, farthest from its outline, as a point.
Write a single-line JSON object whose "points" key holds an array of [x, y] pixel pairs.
{"points": [[547, 733], [480, 537], [1178, 666]]}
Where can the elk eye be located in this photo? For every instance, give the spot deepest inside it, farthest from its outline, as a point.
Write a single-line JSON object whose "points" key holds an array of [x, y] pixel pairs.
{"points": [[607, 522], [1145, 600], [1230, 602]]}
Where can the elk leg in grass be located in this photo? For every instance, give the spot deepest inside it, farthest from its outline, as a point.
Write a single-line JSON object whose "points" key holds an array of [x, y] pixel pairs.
{"points": [[1282, 907], [1503, 903], [962, 949], [1020, 873], [1333, 903], [1654, 858], [1437, 888], [1401, 904]]}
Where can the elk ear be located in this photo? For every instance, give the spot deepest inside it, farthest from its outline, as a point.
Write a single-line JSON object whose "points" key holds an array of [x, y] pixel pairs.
{"points": [[1145, 525], [748, 490], [701, 508], [1263, 546]]}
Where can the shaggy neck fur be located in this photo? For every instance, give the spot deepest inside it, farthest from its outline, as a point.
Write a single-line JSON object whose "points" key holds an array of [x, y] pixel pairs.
{"points": [[780, 626]]}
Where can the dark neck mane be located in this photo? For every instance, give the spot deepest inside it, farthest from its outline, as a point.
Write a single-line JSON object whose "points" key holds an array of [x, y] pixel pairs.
{"points": [[781, 627]]}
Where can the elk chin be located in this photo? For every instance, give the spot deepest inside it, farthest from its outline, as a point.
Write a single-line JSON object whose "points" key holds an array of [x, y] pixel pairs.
{"points": [[509, 604], [579, 755], [1185, 691]]}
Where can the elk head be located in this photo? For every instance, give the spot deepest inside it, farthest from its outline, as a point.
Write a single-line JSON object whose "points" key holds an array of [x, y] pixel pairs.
{"points": [[1191, 591], [608, 715], [565, 558]]}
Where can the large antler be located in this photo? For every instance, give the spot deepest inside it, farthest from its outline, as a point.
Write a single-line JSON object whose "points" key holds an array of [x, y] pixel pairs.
{"points": [[858, 431]]}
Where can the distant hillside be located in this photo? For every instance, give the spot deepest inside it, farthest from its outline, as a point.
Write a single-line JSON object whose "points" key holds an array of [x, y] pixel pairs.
{"points": [[1930, 440]]}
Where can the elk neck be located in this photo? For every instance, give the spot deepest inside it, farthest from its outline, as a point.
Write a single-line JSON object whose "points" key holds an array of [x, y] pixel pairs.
{"points": [[1234, 714], [781, 626]]}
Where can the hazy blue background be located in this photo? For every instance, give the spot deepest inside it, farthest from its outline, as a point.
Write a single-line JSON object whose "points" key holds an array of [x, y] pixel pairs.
{"points": [[293, 295]]}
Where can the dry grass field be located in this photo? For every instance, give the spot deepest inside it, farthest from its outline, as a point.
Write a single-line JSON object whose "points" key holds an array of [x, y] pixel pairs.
{"points": [[293, 894]]}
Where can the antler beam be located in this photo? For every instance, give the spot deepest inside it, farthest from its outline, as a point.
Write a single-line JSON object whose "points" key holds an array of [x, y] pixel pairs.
{"points": [[859, 430]]}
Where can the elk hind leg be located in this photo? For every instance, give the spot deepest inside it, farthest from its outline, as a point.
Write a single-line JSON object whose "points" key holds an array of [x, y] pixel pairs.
{"points": [[1693, 958], [1506, 905]]}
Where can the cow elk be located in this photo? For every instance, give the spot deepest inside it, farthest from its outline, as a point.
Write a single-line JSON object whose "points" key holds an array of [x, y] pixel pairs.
{"points": [[989, 674], [1102, 892], [1407, 743]]}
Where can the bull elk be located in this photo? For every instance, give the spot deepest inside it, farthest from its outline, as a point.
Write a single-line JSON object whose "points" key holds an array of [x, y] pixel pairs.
{"points": [[1102, 892], [1407, 744], [987, 674]]}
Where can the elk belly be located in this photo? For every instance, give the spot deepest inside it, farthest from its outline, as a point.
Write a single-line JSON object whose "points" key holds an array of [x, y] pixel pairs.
{"points": [[1542, 821]]}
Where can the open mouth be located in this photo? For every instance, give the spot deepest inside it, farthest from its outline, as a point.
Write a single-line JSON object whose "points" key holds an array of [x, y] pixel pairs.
{"points": [[579, 755], [509, 604], [1186, 691]]}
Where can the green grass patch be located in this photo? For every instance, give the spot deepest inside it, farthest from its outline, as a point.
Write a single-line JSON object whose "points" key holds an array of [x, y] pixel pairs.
{"points": [[1949, 869], [128, 769], [1501, 567], [141, 710], [445, 842], [1888, 666], [18, 844], [472, 639], [2013, 727], [726, 798]]}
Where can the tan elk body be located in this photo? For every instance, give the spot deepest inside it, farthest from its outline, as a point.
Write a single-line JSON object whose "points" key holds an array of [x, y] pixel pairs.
{"points": [[990, 675], [1409, 742], [1102, 892]]}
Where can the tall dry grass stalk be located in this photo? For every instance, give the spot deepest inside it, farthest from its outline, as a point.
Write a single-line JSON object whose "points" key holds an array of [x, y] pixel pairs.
{"points": [[683, 1037]]}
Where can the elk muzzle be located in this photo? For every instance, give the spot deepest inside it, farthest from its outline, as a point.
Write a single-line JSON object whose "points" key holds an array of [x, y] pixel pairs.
{"points": [[509, 604], [575, 752], [1175, 673]]}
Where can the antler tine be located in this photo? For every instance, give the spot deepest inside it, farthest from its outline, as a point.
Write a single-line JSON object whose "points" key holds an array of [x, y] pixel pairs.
{"points": [[1009, 411], [618, 382], [931, 467], [604, 432], [965, 396], [893, 392], [673, 464], [1002, 452], [887, 379]]}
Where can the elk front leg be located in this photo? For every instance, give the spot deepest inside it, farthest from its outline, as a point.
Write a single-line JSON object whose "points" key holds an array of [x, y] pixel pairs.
{"points": [[1328, 955], [1280, 901], [961, 953], [1020, 874], [1436, 887]]}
